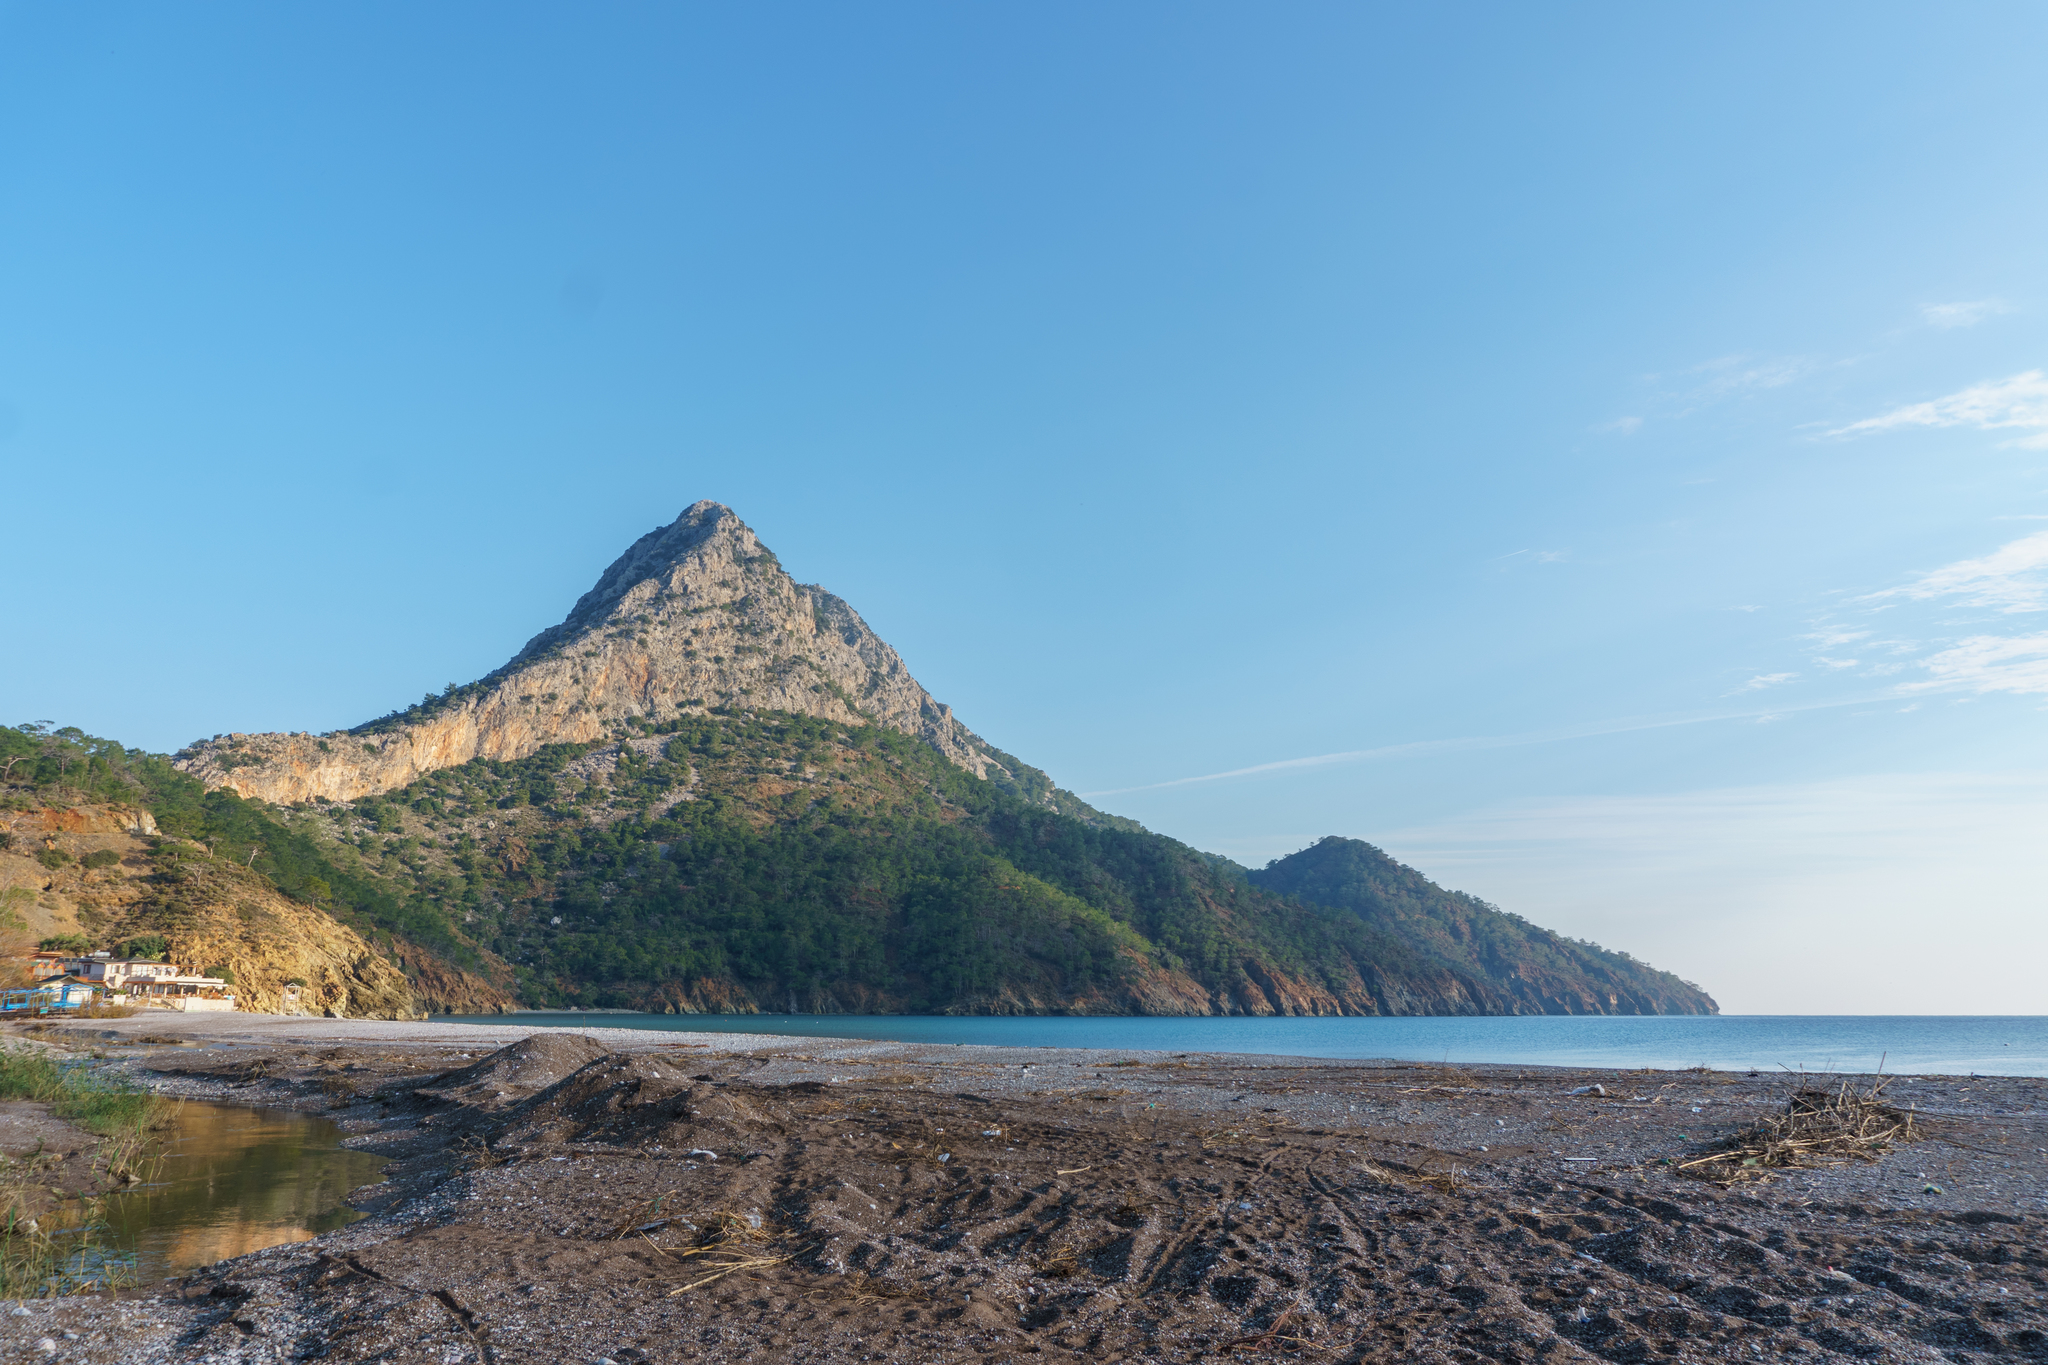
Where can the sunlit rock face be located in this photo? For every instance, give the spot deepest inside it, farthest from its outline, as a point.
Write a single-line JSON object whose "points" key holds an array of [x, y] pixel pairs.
{"points": [[696, 614]]}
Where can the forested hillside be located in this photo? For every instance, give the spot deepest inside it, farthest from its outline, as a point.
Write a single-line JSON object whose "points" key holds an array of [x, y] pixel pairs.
{"points": [[741, 860], [1510, 965]]}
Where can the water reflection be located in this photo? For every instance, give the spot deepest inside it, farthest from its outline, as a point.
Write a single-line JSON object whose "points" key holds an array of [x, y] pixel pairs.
{"points": [[236, 1180]]}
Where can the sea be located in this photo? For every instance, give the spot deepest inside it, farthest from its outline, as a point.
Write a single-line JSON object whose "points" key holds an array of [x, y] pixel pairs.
{"points": [[1943, 1045]]}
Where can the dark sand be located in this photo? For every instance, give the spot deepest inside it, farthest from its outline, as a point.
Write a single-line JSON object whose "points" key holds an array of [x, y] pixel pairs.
{"points": [[571, 1200]]}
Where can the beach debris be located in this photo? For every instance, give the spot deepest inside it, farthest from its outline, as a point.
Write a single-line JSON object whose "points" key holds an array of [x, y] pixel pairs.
{"points": [[1059, 1263], [1268, 1339], [1075, 1171], [1588, 1090], [704, 1152], [724, 1245], [1816, 1128]]}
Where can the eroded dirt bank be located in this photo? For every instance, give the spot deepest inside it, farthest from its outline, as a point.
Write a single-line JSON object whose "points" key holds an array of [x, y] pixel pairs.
{"points": [[628, 1196]]}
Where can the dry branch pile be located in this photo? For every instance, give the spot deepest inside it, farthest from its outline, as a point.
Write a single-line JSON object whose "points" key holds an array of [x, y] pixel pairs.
{"points": [[1816, 1128]]}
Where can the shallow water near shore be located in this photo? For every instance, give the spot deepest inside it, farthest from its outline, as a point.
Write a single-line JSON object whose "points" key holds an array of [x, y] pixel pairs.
{"points": [[235, 1180], [1949, 1045]]}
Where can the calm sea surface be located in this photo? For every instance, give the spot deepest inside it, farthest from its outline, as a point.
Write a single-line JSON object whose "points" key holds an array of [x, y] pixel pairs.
{"points": [[1992, 1045]]}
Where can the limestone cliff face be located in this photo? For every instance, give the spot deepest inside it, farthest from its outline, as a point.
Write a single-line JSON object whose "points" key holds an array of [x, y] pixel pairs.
{"points": [[696, 614]]}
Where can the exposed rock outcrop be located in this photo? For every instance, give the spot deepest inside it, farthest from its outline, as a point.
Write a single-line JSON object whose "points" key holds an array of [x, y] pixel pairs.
{"points": [[215, 914], [696, 614]]}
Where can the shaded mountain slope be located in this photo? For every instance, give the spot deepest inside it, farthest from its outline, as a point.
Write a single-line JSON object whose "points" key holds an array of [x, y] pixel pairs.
{"points": [[1511, 965]]}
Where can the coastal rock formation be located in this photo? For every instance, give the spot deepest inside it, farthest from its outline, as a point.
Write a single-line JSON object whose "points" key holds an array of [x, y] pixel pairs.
{"points": [[696, 614]]}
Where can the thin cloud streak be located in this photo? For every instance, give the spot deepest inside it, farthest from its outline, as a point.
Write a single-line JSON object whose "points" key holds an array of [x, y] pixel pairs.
{"points": [[1482, 742], [1992, 663], [1947, 315], [1760, 682], [2019, 400], [2009, 580]]}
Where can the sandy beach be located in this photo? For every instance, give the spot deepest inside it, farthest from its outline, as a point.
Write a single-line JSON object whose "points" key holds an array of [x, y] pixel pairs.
{"points": [[619, 1195]]}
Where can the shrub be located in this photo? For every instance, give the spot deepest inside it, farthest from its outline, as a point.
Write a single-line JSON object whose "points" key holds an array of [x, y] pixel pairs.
{"points": [[53, 858], [224, 972], [105, 857], [148, 948], [66, 943]]}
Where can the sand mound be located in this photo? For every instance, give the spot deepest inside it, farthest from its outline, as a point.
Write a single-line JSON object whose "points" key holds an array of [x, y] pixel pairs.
{"points": [[516, 1072], [616, 1099]]}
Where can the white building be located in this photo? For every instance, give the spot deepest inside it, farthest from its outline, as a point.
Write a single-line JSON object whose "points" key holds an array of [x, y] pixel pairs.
{"points": [[154, 983]]}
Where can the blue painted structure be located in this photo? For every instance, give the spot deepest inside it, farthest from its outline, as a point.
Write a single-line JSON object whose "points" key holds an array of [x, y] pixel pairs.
{"points": [[52, 995]]}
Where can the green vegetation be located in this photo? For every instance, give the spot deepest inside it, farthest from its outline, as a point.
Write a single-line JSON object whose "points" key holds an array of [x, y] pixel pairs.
{"points": [[809, 864], [107, 1106], [38, 1257], [67, 943], [1480, 942], [147, 948]]}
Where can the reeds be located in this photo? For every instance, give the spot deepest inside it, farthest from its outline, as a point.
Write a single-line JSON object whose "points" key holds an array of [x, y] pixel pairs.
{"points": [[1816, 1128], [50, 1254], [108, 1106], [731, 1243]]}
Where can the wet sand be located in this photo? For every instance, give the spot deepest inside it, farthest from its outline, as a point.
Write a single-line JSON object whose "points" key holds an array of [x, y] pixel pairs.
{"points": [[630, 1196]]}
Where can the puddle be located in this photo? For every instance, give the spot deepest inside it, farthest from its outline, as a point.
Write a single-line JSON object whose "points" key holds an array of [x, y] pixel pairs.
{"points": [[236, 1180]]}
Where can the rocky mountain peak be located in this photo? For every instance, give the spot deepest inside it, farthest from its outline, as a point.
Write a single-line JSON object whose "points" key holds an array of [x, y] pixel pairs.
{"points": [[695, 614]]}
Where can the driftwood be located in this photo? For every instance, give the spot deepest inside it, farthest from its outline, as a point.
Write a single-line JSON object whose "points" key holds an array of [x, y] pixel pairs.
{"points": [[1816, 1128]]}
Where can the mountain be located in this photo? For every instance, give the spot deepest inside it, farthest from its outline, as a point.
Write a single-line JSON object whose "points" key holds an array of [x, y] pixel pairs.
{"points": [[696, 614], [711, 788], [1503, 963]]}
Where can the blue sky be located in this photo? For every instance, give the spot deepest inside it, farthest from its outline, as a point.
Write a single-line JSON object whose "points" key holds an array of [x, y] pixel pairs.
{"points": [[1598, 453]]}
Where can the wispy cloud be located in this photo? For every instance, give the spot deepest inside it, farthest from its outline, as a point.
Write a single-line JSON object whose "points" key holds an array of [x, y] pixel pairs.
{"points": [[2018, 401], [1992, 663], [1963, 314], [1621, 426], [1591, 730], [2011, 579], [1730, 376], [1760, 682]]}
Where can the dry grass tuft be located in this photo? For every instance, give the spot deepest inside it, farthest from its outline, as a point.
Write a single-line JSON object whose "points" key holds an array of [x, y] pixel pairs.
{"points": [[861, 1287], [1058, 1264], [729, 1243], [1816, 1128]]}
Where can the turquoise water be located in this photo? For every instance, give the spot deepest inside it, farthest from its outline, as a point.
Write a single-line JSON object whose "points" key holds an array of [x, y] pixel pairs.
{"points": [[1953, 1045]]}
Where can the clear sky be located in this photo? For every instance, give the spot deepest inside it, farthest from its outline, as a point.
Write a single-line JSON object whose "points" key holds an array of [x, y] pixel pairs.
{"points": [[1598, 453]]}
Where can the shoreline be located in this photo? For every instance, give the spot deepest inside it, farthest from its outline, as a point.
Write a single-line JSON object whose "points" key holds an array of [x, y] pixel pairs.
{"points": [[564, 1186]]}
